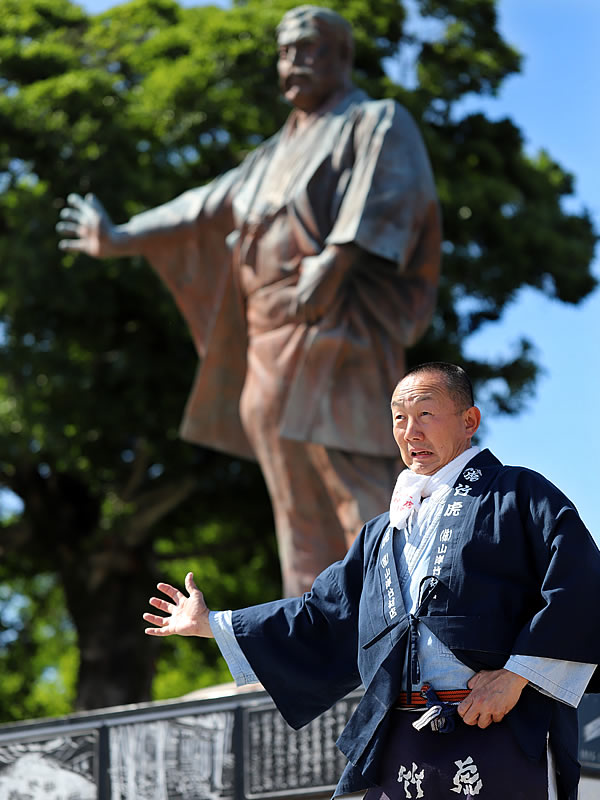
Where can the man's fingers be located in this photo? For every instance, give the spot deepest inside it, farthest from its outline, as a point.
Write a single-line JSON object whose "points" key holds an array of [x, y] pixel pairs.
{"points": [[466, 711], [155, 619], [190, 583], [161, 624], [475, 713], [464, 706], [186, 616], [171, 591], [479, 678], [474, 717], [161, 604], [156, 632]]}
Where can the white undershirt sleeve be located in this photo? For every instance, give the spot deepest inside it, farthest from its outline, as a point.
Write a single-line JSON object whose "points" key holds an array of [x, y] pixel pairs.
{"points": [[563, 680], [222, 628]]}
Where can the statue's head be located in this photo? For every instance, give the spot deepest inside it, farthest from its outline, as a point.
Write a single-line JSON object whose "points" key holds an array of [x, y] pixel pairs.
{"points": [[316, 48]]}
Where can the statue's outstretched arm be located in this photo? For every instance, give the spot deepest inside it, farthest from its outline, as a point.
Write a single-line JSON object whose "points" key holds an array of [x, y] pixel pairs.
{"points": [[88, 228]]}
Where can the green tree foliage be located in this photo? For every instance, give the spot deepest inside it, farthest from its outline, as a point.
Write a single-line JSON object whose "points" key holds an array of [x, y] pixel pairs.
{"points": [[139, 104]]}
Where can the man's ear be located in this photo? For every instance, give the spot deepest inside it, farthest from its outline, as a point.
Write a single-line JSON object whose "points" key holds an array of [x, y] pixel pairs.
{"points": [[472, 418]]}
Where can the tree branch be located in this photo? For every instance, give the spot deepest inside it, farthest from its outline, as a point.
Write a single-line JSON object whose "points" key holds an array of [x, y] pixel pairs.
{"points": [[214, 549], [138, 472], [154, 505]]}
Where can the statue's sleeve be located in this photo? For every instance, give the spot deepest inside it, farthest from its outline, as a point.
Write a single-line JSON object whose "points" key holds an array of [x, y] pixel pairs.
{"points": [[185, 241], [304, 650], [390, 201]]}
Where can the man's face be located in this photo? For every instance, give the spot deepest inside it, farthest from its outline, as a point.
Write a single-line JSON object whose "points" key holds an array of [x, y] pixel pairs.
{"points": [[428, 427], [310, 71]]}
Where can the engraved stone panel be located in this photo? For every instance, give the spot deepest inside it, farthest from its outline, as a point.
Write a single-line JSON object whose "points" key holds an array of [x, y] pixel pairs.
{"points": [[184, 758], [60, 768], [279, 761], [589, 733]]}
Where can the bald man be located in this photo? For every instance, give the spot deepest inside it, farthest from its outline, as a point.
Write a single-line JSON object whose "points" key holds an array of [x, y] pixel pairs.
{"points": [[468, 612]]}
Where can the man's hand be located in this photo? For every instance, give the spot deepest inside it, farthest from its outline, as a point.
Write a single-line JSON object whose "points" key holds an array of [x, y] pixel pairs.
{"points": [[88, 227], [320, 280], [187, 616], [493, 694]]}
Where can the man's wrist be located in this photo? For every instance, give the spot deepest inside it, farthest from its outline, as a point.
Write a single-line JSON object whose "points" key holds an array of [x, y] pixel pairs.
{"points": [[518, 680], [203, 627]]}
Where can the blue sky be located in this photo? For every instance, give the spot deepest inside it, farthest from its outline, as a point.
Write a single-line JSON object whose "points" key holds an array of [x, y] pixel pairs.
{"points": [[556, 103]]}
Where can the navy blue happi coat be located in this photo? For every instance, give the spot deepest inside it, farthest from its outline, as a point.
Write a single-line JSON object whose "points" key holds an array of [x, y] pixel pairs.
{"points": [[513, 571]]}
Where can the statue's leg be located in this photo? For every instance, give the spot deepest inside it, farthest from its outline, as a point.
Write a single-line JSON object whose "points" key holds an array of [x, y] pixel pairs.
{"points": [[359, 486], [310, 535], [320, 497]]}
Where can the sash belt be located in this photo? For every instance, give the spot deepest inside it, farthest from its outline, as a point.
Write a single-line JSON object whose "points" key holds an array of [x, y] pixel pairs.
{"points": [[418, 699]]}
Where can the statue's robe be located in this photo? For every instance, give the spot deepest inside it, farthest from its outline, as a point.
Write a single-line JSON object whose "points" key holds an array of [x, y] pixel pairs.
{"points": [[358, 173], [514, 571]]}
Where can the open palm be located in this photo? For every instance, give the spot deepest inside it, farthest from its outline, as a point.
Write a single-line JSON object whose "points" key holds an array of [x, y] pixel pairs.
{"points": [[186, 615]]}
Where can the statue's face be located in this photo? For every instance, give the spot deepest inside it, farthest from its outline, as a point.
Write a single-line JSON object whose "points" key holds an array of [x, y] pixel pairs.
{"points": [[310, 71]]}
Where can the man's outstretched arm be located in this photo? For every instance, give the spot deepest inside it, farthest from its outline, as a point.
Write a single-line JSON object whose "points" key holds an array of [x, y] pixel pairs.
{"points": [[186, 615]]}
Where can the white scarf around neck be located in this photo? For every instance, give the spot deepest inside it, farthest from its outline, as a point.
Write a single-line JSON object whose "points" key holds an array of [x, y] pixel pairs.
{"points": [[411, 488]]}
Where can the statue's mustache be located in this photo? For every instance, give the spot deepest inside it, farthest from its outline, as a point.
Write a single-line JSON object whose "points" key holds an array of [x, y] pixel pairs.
{"points": [[301, 72]]}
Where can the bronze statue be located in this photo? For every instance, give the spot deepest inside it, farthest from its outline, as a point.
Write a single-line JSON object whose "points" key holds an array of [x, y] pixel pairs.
{"points": [[303, 275]]}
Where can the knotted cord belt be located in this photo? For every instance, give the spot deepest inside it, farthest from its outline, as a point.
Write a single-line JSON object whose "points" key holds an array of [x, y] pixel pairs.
{"points": [[441, 707]]}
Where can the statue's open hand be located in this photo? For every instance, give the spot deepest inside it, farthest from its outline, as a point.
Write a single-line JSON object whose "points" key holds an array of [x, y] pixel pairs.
{"points": [[87, 226], [186, 616]]}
